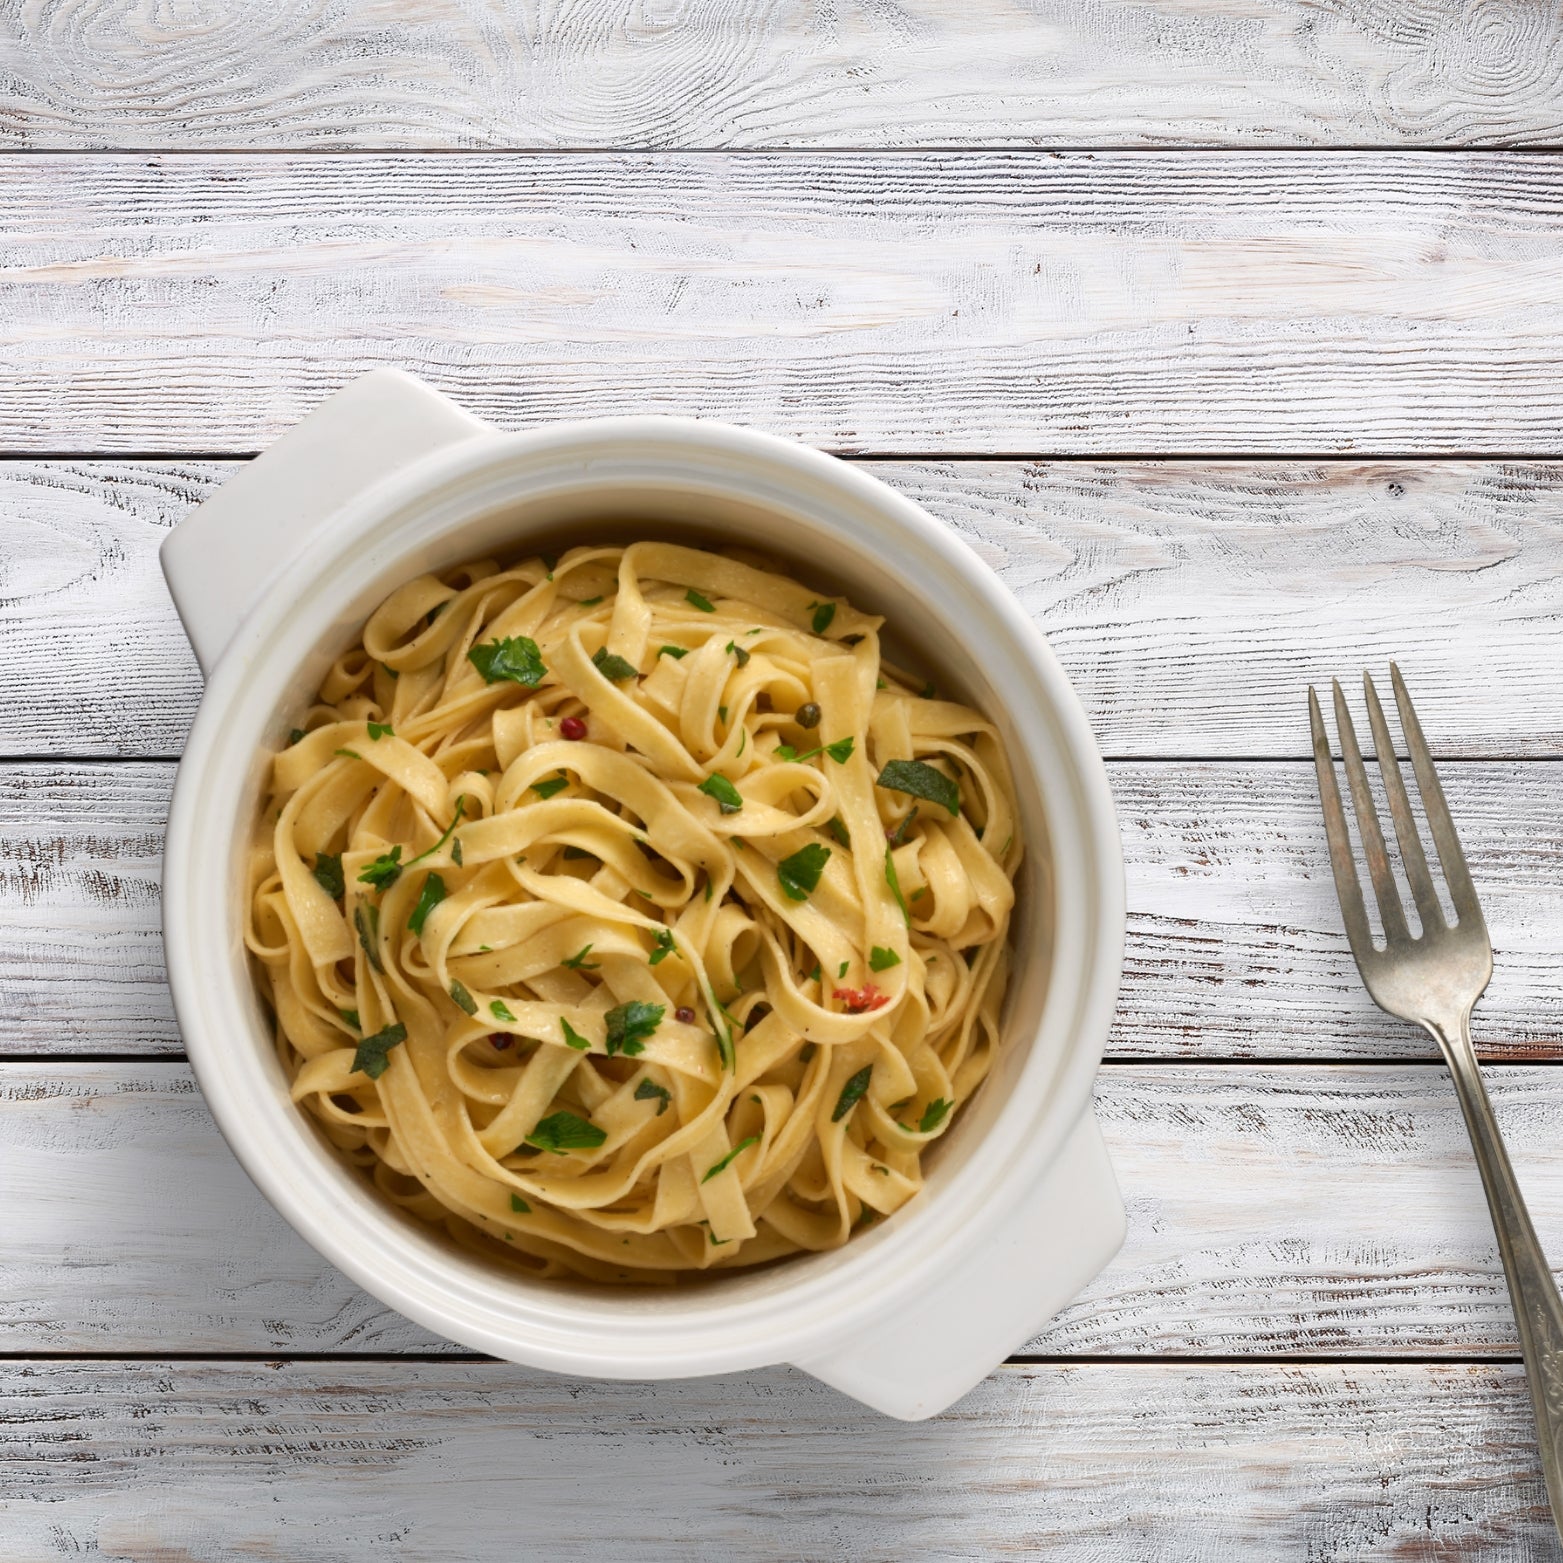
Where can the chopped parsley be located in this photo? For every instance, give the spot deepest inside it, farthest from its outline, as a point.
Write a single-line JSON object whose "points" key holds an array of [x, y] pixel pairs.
{"points": [[728, 798], [572, 1037], [614, 668], [678, 653], [561, 1132], [898, 835], [893, 879], [630, 1024], [328, 874], [664, 945], [546, 789], [379, 730], [501, 1011], [372, 1055], [730, 1157], [695, 600], [852, 1093], [519, 1205], [348, 754], [740, 652], [512, 661], [799, 874], [927, 692], [429, 897], [295, 735], [366, 919], [839, 831], [455, 850], [384, 871], [824, 612], [881, 959], [591, 602], [351, 1017], [934, 1114], [648, 1090], [578, 961], [840, 751], [841, 970], [922, 781], [463, 999]]}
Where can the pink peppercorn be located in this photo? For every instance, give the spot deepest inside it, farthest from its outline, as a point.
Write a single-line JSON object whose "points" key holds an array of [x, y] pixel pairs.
{"points": [[684, 1015], [572, 727], [500, 1039]]}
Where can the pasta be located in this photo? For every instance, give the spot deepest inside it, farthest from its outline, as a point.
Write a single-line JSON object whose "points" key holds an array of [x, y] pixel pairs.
{"points": [[628, 917]]}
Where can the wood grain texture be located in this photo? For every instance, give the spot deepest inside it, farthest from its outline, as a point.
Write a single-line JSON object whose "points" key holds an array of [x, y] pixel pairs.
{"points": [[1234, 948], [735, 73], [218, 1461], [1058, 303], [1190, 602], [131, 1229]]}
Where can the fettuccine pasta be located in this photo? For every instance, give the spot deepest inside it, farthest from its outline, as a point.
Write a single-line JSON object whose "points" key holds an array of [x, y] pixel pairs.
{"points": [[627, 916]]}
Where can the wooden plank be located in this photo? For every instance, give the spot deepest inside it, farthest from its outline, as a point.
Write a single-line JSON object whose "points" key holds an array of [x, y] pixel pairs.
{"points": [[460, 74], [1182, 1463], [1234, 945], [1063, 303], [1309, 1210], [1191, 602]]}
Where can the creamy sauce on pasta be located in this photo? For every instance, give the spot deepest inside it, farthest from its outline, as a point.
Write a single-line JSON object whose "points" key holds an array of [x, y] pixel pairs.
{"points": [[627, 916]]}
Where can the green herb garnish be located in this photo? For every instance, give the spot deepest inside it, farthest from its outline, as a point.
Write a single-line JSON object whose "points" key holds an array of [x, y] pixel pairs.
{"points": [[578, 961], [678, 653], [429, 897], [695, 600], [463, 999], [295, 735], [511, 661], [663, 945], [366, 919], [384, 871], [371, 1057], [740, 652], [591, 602], [730, 1157], [630, 1024], [501, 1011], [728, 798], [898, 835], [351, 1017], [519, 1205], [881, 959], [893, 879], [328, 874], [839, 831], [852, 1093], [799, 874], [379, 730], [561, 1132], [840, 751], [455, 850], [934, 1114], [348, 754], [648, 1090], [922, 781], [824, 612], [572, 1037], [612, 667], [546, 789], [841, 970]]}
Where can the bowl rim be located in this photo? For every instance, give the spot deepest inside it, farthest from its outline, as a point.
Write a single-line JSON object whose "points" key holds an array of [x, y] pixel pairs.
{"points": [[788, 1321]]}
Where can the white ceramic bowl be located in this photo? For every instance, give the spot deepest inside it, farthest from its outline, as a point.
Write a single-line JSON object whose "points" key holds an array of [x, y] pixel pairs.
{"points": [[275, 575]]}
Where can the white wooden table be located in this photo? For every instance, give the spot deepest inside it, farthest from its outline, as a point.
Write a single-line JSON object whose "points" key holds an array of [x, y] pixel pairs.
{"points": [[1232, 334]]}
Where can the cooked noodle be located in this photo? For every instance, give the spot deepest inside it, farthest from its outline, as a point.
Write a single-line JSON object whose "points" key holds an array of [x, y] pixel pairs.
{"points": [[597, 930]]}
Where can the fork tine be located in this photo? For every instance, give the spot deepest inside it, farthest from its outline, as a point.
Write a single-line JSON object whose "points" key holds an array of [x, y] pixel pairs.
{"points": [[1456, 875], [1348, 888], [1384, 887], [1413, 858]]}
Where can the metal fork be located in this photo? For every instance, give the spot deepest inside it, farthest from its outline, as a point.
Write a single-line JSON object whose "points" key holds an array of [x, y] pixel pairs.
{"points": [[1434, 979]]}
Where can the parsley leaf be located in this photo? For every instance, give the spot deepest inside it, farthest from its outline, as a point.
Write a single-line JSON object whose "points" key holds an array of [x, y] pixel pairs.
{"points": [[572, 1037], [384, 871], [295, 735], [934, 1114], [728, 798], [663, 940], [501, 1010], [463, 999], [429, 897], [371, 1058], [881, 959], [455, 851], [328, 874], [799, 874], [519, 1205], [578, 961], [678, 653], [630, 1024], [379, 730], [561, 1132], [898, 835], [612, 667], [824, 612], [349, 754], [366, 919], [922, 781], [695, 600], [591, 602], [852, 1093], [546, 789], [648, 1090], [893, 879], [840, 751], [741, 652], [351, 1017], [839, 831], [516, 661], [842, 970], [730, 1157]]}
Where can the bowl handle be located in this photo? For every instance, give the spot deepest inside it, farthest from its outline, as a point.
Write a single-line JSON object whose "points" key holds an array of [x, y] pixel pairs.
{"points": [[219, 558], [920, 1361]]}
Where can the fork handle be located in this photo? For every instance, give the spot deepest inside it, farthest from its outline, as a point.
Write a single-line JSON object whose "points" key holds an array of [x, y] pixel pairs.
{"points": [[1538, 1309]]}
